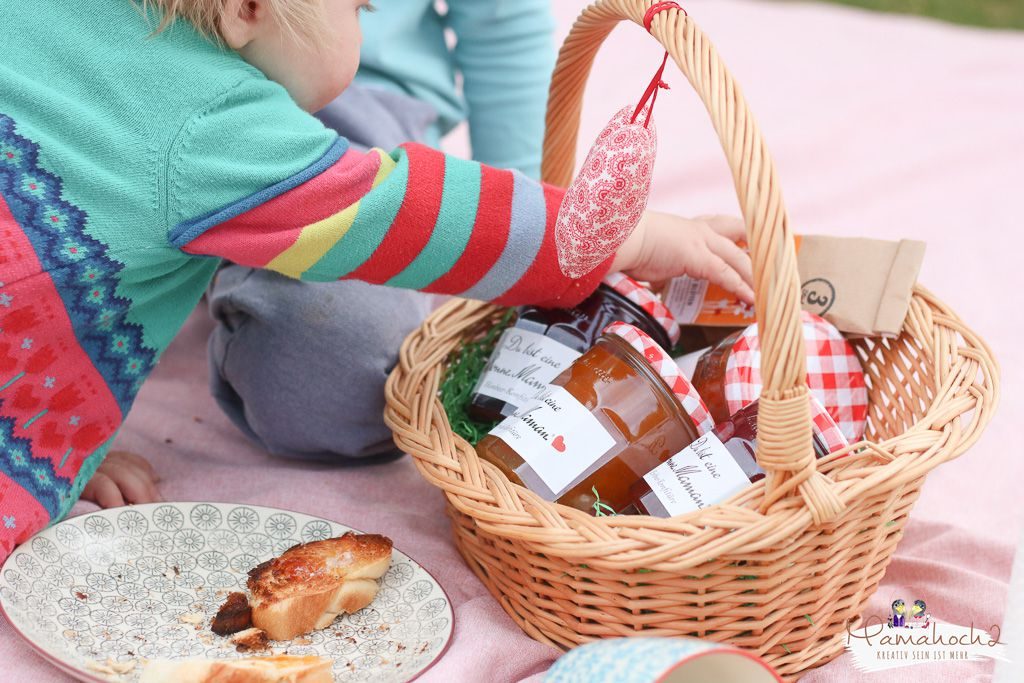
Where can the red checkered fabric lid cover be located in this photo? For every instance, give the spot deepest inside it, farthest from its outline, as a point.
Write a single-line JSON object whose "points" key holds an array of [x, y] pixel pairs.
{"points": [[666, 367], [834, 374], [826, 428], [645, 299]]}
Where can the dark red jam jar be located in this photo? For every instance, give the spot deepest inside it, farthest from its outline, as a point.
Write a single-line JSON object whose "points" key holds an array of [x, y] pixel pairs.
{"points": [[542, 343]]}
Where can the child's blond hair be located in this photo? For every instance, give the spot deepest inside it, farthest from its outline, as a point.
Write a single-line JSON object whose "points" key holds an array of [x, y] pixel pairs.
{"points": [[303, 19]]}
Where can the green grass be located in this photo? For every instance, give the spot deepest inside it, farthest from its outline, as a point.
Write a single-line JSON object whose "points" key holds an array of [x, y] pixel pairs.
{"points": [[990, 13]]}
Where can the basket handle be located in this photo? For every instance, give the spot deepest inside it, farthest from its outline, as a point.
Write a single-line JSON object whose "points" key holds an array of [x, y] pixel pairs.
{"points": [[784, 425]]}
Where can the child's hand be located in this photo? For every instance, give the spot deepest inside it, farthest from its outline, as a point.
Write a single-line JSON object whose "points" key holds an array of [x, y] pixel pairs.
{"points": [[122, 478], [664, 246]]}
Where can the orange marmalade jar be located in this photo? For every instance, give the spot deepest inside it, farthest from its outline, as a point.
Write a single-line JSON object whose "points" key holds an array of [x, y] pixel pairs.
{"points": [[613, 415]]}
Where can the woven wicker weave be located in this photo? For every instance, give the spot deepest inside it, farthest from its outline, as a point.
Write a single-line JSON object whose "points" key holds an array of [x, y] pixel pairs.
{"points": [[784, 567]]}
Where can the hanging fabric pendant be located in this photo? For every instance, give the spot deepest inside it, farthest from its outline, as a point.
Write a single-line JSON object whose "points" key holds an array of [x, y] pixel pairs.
{"points": [[608, 197]]}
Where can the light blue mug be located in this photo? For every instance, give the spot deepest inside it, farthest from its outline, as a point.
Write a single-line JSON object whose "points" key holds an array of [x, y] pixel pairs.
{"points": [[660, 660]]}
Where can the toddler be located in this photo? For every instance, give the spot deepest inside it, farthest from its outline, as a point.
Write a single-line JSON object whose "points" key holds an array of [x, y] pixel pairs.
{"points": [[133, 163], [405, 90]]}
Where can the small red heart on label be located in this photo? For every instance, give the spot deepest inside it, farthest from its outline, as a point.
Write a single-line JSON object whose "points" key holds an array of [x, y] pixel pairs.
{"points": [[559, 444]]}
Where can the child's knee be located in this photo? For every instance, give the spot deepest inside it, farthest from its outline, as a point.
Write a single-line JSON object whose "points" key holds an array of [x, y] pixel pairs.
{"points": [[301, 368]]}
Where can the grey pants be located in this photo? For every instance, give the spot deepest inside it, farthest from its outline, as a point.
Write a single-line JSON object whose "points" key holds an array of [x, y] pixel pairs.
{"points": [[300, 366]]}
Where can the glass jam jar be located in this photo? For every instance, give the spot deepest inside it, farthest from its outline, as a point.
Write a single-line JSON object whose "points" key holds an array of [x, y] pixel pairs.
{"points": [[544, 342], [720, 464], [601, 424], [709, 376], [728, 376]]}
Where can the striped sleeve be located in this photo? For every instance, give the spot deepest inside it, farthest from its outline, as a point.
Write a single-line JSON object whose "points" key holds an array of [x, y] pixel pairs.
{"points": [[415, 218]]}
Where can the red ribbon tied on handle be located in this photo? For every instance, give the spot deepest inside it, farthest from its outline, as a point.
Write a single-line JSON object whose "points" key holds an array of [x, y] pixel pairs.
{"points": [[656, 83], [659, 7], [608, 197]]}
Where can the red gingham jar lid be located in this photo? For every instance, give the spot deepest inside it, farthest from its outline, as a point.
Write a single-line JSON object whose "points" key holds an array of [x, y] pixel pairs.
{"points": [[834, 374], [645, 299], [826, 428], [666, 367]]}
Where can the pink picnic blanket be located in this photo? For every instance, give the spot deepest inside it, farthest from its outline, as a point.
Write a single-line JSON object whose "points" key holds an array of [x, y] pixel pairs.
{"points": [[881, 126]]}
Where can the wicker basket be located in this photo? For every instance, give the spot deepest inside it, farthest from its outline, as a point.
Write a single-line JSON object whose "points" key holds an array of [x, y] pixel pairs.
{"points": [[784, 567]]}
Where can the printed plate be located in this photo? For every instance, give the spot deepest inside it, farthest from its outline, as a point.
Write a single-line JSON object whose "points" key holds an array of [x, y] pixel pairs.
{"points": [[143, 582]]}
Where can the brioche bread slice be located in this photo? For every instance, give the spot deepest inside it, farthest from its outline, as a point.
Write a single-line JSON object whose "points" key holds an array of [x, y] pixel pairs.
{"points": [[277, 669], [312, 583]]}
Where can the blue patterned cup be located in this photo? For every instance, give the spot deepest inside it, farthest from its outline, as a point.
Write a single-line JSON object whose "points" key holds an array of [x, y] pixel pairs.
{"points": [[660, 660]]}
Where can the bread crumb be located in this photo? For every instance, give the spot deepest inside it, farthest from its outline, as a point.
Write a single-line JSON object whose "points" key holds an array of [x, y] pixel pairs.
{"points": [[233, 616], [250, 639], [302, 641], [191, 618], [111, 667]]}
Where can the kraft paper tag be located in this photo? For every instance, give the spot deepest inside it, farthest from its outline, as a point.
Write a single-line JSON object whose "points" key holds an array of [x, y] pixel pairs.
{"points": [[862, 286]]}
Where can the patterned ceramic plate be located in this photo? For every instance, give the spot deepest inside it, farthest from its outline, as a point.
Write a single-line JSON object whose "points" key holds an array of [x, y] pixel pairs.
{"points": [[143, 582]]}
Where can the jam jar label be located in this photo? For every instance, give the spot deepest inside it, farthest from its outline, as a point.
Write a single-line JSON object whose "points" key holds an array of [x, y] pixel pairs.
{"points": [[522, 364], [684, 297], [702, 474], [557, 436]]}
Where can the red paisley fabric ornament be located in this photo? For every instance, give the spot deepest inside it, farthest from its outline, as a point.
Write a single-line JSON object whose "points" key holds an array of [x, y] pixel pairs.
{"points": [[609, 195]]}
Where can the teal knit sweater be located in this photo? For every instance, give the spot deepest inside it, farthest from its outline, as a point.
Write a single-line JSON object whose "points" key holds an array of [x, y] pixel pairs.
{"points": [[132, 164]]}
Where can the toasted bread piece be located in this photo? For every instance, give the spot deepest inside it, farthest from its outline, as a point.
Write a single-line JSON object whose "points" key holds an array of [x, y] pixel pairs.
{"points": [[233, 616], [278, 669], [250, 639], [312, 583]]}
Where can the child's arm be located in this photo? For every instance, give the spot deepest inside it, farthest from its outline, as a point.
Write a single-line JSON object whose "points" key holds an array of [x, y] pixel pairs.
{"points": [[506, 53], [416, 219], [258, 182], [302, 203]]}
